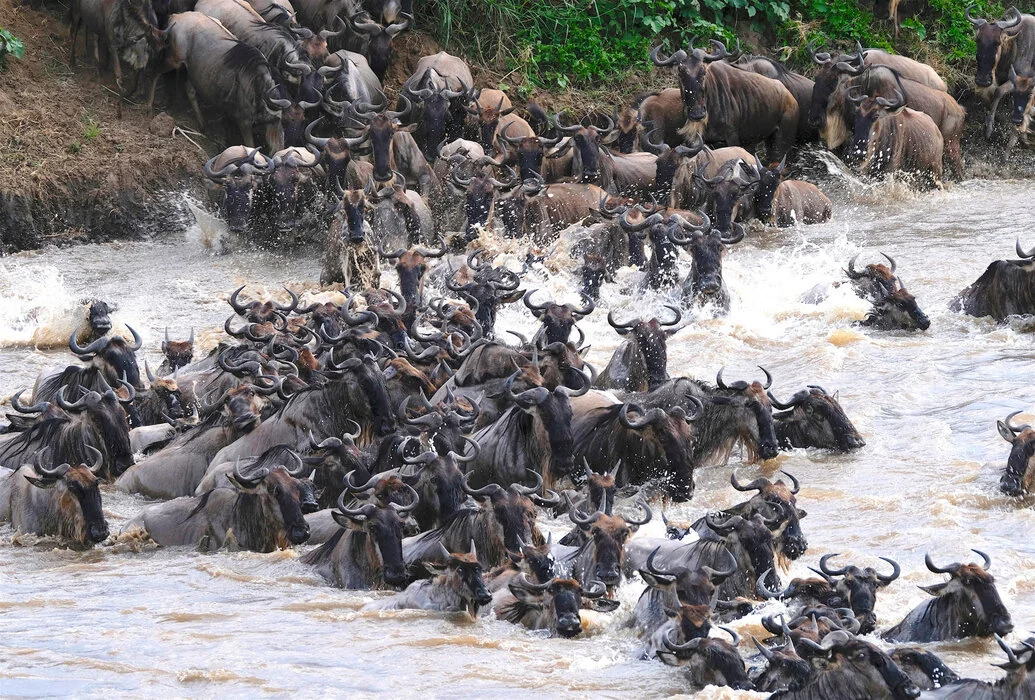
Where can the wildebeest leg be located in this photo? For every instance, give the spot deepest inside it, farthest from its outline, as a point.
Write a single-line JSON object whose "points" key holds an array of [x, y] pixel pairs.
{"points": [[955, 158], [1000, 91], [192, 96], [74, 35], [274, 136]]}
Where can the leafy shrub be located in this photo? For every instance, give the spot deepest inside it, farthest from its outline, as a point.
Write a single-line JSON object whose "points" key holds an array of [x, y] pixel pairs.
{"points": [[9, 45]]}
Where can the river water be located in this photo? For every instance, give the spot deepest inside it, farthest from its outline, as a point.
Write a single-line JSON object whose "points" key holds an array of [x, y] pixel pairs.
{"points": [[129, 620]]}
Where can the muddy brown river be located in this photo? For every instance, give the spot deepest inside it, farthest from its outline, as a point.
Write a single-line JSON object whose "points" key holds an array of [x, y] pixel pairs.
{"points": [[131, 620]]}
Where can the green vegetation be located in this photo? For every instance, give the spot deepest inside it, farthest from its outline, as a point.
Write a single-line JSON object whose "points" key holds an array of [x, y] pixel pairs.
{"points": [[91, 128], [9, 45], [596, 43]]}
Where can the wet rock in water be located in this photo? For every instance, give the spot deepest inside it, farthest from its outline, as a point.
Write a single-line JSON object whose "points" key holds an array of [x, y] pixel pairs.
{"points": [[162, 125]]}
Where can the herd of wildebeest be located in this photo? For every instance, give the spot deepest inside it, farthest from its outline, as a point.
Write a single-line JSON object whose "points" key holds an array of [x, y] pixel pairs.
{"points": [[399, 431]]}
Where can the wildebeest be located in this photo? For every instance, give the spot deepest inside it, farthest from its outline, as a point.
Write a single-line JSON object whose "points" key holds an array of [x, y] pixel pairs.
{"points": [[379, 37], [457, 586], [114, 358], [93, 421], [366, 552], [924, 668], [846, 667], [224, 72], [785, 203], [515, 443], [260, 510], [663, 111], [1003, 45], [775, 501], [663, 232], [705, 283], [1005, 288], [621, 173], [654, 446], [178, 353], [897, 139], [557, 319], [709, 661], [553, 605], [600, 557], [857, 587], [1019, 681], [63, 501], [967, 605], [128, 27], [1015, 480], [814, 418], [239, 174], [736, 107], [797, 84], [641, 362]]}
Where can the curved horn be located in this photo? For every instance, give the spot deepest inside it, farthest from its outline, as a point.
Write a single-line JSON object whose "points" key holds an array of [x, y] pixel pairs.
{"points": [[977, 22], [1020, 251], [487, 490], [827, 570], [90, 349], [896, 570], [756, 485], [648, 514], [951, 569], [655, 57], [986, 560], [35, 408]]}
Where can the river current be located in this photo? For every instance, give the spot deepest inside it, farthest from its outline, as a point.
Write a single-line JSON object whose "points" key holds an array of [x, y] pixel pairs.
{"points": [[131, 620]]}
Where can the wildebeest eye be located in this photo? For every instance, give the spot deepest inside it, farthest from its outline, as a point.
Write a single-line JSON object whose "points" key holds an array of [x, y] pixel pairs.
{"points": [[860, 655]]}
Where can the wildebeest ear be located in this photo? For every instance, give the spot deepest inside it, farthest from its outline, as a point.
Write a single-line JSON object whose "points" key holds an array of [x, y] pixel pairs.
{"points": [[802, 513], [230, 477], [655, 580], [837, 395], [41, 483], [936, 589], [668, 658], [603, 604], [507, 111], [434, 569], [526, 596], [1005, 432], [409, 128], [342, 519], [670, 613]]}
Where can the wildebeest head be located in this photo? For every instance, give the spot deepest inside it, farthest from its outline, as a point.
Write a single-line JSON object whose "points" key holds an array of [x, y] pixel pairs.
{"points": [[99, 318], [784, 670], [628, 126], [105, 424], [292, 113], [530, 151], [757, 430], [1022, 88], [243, 407], [271, 503], [989, 41], [411, 266], [692, 70], [858, 587], [557, 319], [463, 574], [381, 126], [856, 668], [868, 111], [383, 524], [371, 381], [600, 488], [778, 502], [697, 587], [240, 172], [1022, 439], [136, 32], [593, 272], [479, 191], [977, 600], [875, 280], [489, 288], [814, 418], [113, 356], [379, 47], [735, 181], [897, 310], [514, 509], [560, 601], [711, 661], [553, 409], [167, 390], [287, 179], [178, 353], [924, 668], [652, 340], [708, 249], [750, 541], [588, 143], [671, 430], [488, 118], [82, 518], [609, 535], [436, 117], [827, 79], [669, 160], [665, 233]]}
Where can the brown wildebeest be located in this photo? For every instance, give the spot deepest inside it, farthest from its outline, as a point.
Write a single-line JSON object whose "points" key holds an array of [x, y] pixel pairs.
{"points": [[736, 107]]}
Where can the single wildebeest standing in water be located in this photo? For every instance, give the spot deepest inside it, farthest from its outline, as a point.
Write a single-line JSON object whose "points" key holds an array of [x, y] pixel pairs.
{"points": [[62, 501], [814, 418], [967, 605], [457, 586], [858, 586]]}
